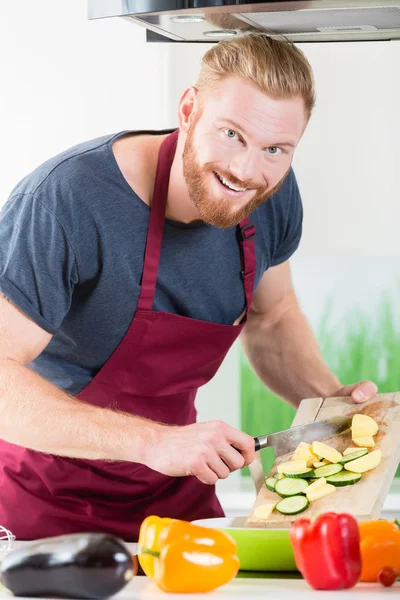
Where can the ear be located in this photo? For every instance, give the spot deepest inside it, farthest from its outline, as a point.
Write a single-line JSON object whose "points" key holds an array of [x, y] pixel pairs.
{"points": [[187, 108]]}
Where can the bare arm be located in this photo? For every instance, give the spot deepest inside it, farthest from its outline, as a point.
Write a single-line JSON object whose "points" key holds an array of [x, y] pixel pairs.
{"points": [[37, 415], [280, 343]]}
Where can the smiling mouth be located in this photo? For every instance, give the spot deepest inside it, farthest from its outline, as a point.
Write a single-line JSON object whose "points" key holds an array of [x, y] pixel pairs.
{"points": [[230, 186]]}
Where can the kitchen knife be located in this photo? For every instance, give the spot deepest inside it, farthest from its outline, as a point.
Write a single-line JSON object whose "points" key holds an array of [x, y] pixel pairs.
{"points": [[287, 441]]}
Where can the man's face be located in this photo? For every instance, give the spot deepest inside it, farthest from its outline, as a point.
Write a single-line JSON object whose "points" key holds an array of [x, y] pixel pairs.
{"points": [[239, 149]]}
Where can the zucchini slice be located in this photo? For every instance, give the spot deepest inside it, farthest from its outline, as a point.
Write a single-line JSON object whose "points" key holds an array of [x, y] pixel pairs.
{"points": [[327, 470], [345, 478], [353, 456], [270, 483], [289, 486], [292, 505], [302, 475]]}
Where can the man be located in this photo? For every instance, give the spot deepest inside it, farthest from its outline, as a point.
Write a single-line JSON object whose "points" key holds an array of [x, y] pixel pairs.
{"points": [[128, 266]]}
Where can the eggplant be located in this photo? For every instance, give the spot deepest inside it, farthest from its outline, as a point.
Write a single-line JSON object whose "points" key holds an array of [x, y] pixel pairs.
{"points": [[87, 566]]}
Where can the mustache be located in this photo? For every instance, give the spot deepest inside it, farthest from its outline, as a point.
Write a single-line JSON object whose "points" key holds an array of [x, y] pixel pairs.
{"points": [[247, 183]]}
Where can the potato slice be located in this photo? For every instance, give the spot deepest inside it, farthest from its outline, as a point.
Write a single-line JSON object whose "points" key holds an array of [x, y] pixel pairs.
{"points": [[321, 463], [326, 452], [304, 452], [295, 466], [363, 426], [320, 492], [316, 484], [351, 450], [264, 511], [365, 463], [366, 442]]}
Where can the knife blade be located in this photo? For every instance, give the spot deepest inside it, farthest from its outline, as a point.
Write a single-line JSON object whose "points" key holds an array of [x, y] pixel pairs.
{"points": [[287, 440]]}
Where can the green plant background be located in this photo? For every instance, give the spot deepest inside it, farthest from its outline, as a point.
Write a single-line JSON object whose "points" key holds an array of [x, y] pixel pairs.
{"points": [[357, 348]]}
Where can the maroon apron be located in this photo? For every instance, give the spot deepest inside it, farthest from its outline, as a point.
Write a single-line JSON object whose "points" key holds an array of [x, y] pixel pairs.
{"points": [[154, 373]]}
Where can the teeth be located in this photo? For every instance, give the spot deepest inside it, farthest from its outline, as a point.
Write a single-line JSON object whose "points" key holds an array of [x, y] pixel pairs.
{"points": [[230, 185]]}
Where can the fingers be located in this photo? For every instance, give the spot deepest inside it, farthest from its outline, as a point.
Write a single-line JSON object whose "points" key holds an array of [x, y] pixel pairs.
{"points": [[232, 458], [364, 391], [243, 443], [210, 468], [217, 465], [360, 392], [223, 436], [205, 474], [209, 451], [215, 456]]}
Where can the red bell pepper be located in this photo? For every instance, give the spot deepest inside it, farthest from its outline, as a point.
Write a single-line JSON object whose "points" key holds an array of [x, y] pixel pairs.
{"points": [[327, 552]]}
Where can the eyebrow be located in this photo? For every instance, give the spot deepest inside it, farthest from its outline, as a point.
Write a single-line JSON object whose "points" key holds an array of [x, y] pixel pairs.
{"points": [[237, 126]]}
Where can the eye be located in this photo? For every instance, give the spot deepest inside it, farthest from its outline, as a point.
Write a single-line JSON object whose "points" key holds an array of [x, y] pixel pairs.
{"points": [[230, 133], [274, 151]]}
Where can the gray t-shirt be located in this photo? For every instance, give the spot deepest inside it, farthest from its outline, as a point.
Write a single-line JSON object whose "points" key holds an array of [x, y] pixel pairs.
{"points": [[72, 240]]}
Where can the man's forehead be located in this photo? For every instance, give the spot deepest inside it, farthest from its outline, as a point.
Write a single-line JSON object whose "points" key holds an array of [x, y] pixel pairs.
{"points": [[285, 116], [242, 97]]}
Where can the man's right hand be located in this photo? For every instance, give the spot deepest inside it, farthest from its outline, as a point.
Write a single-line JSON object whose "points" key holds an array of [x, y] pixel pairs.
{"points": [[205, 450]]}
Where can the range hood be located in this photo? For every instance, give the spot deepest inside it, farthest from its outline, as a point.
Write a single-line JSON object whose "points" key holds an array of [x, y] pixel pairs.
{"points": [[213, 20]]}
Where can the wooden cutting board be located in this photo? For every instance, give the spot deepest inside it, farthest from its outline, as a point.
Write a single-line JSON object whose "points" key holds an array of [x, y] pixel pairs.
{"points": [[364, 499]]}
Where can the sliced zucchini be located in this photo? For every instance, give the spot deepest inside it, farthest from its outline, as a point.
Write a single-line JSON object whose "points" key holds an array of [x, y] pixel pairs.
{"points": [[279, 476], [292, 505], [303, 475], [344, 478], [353, 456], [321, 463], [292, 466], [290, 486], [327, 470], [270, 483]]}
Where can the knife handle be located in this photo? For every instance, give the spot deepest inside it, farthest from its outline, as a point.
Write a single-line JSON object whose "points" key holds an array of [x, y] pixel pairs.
{"points": [[261, 442], [258, 443]]}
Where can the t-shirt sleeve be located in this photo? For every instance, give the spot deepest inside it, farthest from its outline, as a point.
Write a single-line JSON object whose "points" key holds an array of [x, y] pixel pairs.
{"points": [[292, 217], [37, 263]]}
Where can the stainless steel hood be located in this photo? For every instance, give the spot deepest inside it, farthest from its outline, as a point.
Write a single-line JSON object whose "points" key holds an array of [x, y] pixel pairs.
{"points": [[213, 20]]}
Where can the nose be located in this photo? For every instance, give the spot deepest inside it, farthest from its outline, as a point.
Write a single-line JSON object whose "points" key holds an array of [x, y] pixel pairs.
{"points": [[246, 166]]}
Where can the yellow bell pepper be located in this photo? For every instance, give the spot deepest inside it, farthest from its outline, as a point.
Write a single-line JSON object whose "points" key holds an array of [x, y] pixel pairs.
{"points": [[148, 542], [191, 558]]}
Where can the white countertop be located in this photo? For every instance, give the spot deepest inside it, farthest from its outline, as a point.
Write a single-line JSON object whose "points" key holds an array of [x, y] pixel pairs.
{"points": [[141, 588], [252, 589], [248, 587], [265, 589]]}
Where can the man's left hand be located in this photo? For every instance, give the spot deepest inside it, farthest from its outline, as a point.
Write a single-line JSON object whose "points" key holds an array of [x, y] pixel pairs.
{"points": [[360, 392]]}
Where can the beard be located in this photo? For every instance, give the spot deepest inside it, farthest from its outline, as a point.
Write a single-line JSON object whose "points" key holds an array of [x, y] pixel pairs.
{"points": [[214, 210]]}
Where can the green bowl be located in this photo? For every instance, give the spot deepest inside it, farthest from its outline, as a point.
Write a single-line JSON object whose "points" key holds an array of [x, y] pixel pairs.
{"points": [[258, 549]]}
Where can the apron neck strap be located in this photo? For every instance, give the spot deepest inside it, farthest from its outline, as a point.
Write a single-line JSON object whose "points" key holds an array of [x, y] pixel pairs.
{"points": [[156, 224], [245, 230]]}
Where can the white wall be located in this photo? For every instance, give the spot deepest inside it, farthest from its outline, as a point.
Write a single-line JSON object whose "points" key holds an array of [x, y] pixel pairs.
{"points": [[64, 79]]}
